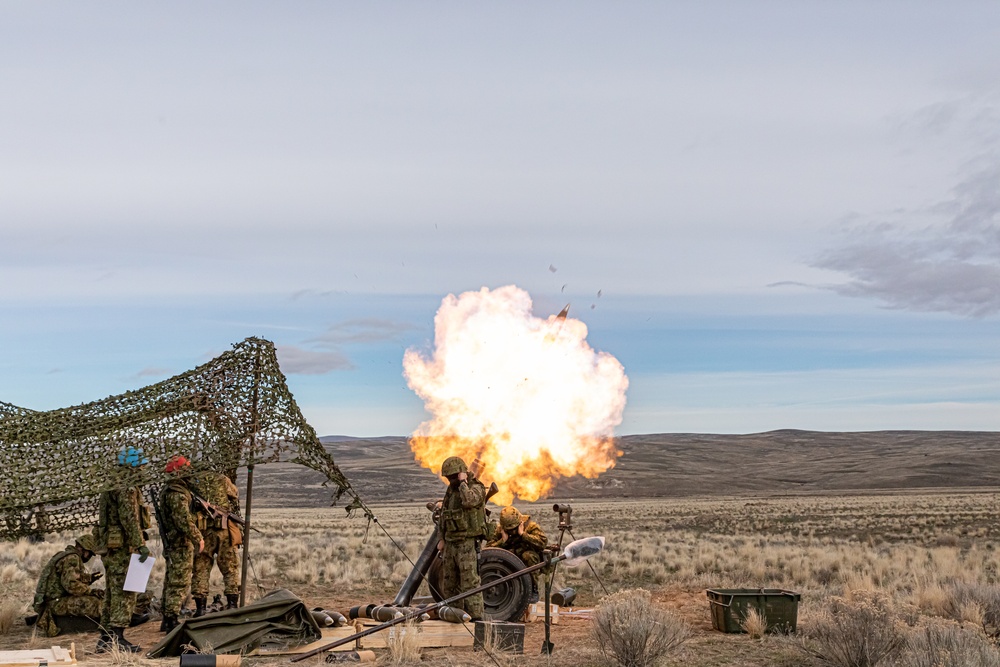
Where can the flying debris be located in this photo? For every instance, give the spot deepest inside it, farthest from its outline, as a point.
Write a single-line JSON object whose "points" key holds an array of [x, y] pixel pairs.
{"points": [[563, 313], [552, 268]]}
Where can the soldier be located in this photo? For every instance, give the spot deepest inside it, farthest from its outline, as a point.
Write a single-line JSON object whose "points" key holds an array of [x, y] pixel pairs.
{"points": [[463, 523], [222, 537], [182, 539], [64, 587], [124, 519], [517, 533]]}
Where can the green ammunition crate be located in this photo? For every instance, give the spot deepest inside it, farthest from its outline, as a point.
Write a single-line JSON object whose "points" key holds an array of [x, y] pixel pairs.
{"points": [[729, 607]]}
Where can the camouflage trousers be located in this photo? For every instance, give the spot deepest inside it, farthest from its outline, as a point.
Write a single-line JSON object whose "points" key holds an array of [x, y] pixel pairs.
{"points": [[177, 578], [220, 550], [116, 612], [71, 605], [460, 573]]}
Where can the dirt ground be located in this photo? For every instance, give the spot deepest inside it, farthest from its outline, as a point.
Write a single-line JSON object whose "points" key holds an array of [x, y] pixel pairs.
{"points": [[571, 637]]}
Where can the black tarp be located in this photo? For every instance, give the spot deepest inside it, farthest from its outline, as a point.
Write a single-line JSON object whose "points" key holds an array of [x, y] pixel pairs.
{"points": [[279, 619]]}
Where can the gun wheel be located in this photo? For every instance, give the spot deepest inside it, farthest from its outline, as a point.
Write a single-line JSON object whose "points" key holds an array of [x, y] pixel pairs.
{"points": [[504, 602]]}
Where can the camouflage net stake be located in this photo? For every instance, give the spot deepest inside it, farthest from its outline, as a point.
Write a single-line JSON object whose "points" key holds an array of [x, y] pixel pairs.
{"points": [[234, 411]]}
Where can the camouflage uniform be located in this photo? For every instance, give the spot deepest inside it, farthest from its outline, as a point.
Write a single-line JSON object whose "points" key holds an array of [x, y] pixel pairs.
{"points": [[124, 518], [528, 546], [181, 534], [220, 491], [64, 590], [463, 522]]}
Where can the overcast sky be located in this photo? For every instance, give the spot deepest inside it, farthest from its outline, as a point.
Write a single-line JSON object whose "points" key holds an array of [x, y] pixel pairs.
{"points": [[774, 214]]}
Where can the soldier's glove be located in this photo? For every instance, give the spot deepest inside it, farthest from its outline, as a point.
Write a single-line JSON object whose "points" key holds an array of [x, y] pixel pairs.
{"points": [[95, 576], [143, 553]]}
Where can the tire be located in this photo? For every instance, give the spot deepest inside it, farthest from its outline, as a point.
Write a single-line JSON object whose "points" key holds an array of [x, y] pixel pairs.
{"points": [[505, 602]]}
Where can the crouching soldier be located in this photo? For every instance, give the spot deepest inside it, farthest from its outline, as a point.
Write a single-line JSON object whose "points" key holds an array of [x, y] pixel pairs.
{"points": [[64, 587], [517, 533]]}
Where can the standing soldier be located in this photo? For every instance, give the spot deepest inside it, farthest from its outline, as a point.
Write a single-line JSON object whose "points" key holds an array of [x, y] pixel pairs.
{"points": [[463, 523], [64, 587], [123, 521], [222, 537], [520, 535], [182, 539]]}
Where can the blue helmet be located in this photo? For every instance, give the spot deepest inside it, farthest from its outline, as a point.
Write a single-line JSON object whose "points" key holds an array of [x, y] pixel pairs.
{"points": [[130, 456]]}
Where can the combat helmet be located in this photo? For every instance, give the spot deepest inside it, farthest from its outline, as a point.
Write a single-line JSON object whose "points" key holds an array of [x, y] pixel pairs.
{"points": [[453, 465], [510, 518], [87, 541]]}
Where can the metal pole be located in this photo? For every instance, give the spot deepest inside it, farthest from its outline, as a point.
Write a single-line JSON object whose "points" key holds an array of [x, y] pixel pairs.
{"points": [[254, 424], [424, 610], [246, 537]]}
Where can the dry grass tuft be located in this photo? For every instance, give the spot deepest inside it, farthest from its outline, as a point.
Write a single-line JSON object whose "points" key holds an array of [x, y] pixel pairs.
{"points": [[754, 623], [403, 643], [11, 611], [631, 632]]}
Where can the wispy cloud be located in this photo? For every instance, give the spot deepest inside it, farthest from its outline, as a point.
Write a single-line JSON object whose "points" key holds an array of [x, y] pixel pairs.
{"points": [[151, 372], [298, 361], [951, 266], [364, 330], [940, 258]]}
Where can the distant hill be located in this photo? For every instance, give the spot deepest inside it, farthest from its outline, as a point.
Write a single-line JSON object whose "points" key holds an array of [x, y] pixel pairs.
{"points": [[682, 464]]}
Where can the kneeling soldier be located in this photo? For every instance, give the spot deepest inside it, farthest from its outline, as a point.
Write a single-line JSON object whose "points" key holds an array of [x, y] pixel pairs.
{"points": [[64, 587], [517, 533]]}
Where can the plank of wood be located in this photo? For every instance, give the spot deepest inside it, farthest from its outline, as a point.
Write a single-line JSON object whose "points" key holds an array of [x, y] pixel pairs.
{"points": [[431, 634], [56, 655]]}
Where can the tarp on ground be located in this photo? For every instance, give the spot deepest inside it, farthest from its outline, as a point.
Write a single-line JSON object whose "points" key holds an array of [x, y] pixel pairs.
{"points": [[278, 620]]}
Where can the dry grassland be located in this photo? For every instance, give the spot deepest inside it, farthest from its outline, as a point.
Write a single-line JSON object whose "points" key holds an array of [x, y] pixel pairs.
{"points": [[934, 554]]}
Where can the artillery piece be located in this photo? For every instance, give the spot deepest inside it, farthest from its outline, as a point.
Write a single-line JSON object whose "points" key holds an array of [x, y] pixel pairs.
{"points": [[506, 601]]}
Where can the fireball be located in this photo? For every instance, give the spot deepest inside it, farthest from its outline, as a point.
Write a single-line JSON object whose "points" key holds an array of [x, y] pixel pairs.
{"points": [[526, 396]]}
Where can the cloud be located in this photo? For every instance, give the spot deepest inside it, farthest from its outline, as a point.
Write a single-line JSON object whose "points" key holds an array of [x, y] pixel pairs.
{"points": [[364, 330], [152, 371], [949, 266], [298, 361]]}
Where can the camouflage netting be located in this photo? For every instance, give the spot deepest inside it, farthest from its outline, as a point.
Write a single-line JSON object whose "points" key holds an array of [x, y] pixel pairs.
{"points": [[234, 411]]}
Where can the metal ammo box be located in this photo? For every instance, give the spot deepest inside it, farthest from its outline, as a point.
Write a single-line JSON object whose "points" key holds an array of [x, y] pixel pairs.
{"points": [[779, 608], [507, 637]]}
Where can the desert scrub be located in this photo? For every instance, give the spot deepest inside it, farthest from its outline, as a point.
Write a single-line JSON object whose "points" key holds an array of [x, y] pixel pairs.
{"points": [[863, 631], [944, 644], [631, 632]]}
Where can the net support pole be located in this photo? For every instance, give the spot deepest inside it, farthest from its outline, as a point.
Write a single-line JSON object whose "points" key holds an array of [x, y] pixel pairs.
{"points": [[246, 537]]}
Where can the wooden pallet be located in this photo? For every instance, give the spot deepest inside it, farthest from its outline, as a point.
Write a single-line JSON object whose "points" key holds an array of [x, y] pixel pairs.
{"points": [[431, 634], [56, 655]]}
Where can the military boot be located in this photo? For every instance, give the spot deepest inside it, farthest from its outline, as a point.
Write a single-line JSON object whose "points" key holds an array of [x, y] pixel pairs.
{"points": [[116, 636], [232, 600], [169, 623], [199, 607]]}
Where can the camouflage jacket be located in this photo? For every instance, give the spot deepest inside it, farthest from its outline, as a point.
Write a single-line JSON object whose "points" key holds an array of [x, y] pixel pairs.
{"points": [[63, 575], [463, 511], [123, 517], [217, 489], [178, 518], [533, 539]]}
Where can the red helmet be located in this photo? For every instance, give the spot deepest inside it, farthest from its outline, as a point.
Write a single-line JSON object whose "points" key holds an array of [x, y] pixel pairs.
{"points": [[176, 463]]}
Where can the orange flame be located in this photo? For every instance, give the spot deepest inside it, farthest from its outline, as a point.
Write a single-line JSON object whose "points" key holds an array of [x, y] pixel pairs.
{"points": [[526, 396]]}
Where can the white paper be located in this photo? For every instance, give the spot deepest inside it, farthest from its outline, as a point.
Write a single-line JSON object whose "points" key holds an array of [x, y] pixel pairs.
{"points": [[138, 574]]}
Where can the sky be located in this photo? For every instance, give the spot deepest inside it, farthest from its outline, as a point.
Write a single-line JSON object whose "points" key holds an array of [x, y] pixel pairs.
{"points": [[774, 214]]}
